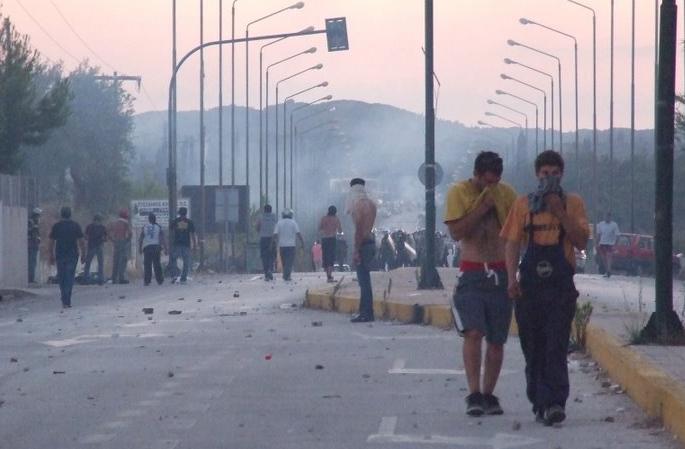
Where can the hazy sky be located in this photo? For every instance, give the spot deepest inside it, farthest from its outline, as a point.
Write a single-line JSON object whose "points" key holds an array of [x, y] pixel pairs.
{"points": [[385, 62]]}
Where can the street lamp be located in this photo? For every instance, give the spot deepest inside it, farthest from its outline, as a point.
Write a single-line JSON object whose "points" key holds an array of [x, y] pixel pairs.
{"points": [[551, 81], [311, 50], [537, 142], [544, 104], [233, 92], [285, 103], [525, 141], [263, 169], [516, 111], [298, 5], [513, 43], [278, 84], [524, 21], [594, 106]]}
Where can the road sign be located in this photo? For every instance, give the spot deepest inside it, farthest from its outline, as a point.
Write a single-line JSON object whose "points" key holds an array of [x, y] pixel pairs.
{"points": [[439, 174], [336, 34], [140, 209]]}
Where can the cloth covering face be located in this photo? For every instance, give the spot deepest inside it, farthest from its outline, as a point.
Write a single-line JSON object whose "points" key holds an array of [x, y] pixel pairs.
{"points": [[464, 197]]}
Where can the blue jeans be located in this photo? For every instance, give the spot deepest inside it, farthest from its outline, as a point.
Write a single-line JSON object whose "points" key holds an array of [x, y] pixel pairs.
{"points": [[367, 252], [266, 249], [96, 251], [120, 259], [66, 271], [184, 253], [287, 257]]}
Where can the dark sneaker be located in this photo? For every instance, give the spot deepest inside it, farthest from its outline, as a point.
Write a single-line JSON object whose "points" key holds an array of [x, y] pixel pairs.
{"points": [[554, 414], [540, 417], [361, 319], [474, 404], [491, 405]]}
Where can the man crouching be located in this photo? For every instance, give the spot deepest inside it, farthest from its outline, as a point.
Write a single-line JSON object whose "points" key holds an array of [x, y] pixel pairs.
{"points": [[475, 212]]}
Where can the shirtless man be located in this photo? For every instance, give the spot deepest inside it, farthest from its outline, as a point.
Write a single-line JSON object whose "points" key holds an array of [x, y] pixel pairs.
{"points": [[475, 212], [363, 212]]}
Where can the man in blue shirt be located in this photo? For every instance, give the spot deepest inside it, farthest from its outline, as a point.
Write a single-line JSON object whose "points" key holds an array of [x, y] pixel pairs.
{"points": [[66, 239]]}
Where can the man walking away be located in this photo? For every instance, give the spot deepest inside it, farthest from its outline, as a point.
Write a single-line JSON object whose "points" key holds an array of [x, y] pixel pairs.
{"points": [[363, 212], [550, 223], [607, 234], [34, 242], [287, 234], [66, 239], [265, 226], [150, 244], [329, 227], [96, 236], [475, 211], [185, 241], [120, 233]]}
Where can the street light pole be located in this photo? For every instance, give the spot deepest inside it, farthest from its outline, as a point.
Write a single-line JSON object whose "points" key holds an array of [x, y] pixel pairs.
{"points": [[551, 81], [221, 95], [561, 110], [233, 93], [611, 114], [544, 105], [537, 146], [430, 279], [525, 140], [203, 200], [632, 121]]}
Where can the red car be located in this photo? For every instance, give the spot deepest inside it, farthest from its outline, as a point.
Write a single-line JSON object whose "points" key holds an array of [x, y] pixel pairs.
{"points": [[634, 254]]}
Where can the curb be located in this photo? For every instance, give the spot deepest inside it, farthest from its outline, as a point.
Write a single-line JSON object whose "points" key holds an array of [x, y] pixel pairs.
{"points": [[650, 387]]}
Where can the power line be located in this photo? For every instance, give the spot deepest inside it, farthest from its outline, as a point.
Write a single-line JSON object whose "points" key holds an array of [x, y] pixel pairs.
{"points": [[83, 41], [47, 33], [147, 95]]}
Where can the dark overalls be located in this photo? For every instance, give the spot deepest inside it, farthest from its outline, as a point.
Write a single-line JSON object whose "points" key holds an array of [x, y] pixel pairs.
{"points": [[544, 315]]}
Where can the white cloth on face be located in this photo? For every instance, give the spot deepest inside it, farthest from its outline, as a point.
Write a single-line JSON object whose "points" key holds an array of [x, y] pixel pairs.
{"points": [[608, 232], [151, 234], [286, 230]]}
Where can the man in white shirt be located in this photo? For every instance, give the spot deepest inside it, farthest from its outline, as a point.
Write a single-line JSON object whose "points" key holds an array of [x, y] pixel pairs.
{"points": [[287, 234], [607, 234]]}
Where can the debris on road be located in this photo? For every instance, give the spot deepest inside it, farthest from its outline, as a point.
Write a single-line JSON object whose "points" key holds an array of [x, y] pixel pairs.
{"points": [[267, 357], [516, 426], [14, 360], [170, 374], [318, 367], [148, 310], [122, 297], [174, 312], [317, 323], [236, 294], [609, 419], [59, 372]]}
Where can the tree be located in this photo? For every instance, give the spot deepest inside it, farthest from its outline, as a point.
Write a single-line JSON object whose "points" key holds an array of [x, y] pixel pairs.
{"points": [[28, 110], [89, 157]]}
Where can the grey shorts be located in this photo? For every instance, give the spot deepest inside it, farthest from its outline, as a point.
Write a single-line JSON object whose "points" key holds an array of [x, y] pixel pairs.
{"points": [[482, 304]]}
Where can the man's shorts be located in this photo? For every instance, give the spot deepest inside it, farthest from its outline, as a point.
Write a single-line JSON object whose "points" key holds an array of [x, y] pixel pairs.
{"points": [[483, 304]]}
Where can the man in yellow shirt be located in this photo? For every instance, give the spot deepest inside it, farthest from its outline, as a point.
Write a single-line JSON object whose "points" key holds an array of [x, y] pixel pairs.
{"points": [[474, 213], [550, 223]]}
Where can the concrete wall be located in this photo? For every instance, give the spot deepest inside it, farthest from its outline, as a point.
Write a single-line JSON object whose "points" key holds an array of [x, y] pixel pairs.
{"points": [[13, 246]]}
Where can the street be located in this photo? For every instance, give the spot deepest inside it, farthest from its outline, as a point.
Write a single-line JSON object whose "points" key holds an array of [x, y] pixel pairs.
{"points": [[258, 371]]}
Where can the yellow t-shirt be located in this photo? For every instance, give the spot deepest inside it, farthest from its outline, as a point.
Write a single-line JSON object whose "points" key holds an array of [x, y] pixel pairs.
{"points": [[464, 197], [547, 226]]}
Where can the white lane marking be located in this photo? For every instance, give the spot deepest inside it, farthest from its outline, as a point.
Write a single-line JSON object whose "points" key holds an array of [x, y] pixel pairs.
{"points": [[403, 337], [399, 368], [255, 278], [81, 339], [180, 424], [115, 425], [386, 435], [131, 414], [164, 444], [97, 438]]}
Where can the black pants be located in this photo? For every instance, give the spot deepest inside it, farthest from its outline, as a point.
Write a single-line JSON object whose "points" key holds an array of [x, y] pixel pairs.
{"points": [[367, 252], [266, 251], [33, 261], [288, 258], [544, 318], [151, 259]]}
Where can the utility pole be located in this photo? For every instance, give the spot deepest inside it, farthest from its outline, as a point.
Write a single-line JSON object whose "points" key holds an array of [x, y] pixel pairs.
{"points": [[430, 279], [203, 200], [664, 325], [118, 78]]}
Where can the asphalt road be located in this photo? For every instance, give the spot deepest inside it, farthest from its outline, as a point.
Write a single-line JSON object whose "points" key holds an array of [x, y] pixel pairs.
{"points": [[254, 371]]}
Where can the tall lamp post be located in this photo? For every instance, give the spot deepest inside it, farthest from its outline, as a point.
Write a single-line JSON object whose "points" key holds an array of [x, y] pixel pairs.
{"points": [[233, 92], [513, 43], [525, 140], [525, 21], [285, 135], [535, 105], [311, 50], [505, 119], [594, 108], [298, 5], [551, 81], [544, 104]]}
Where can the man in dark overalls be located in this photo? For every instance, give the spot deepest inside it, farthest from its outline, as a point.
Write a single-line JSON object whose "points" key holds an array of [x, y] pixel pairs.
{"points": [[550, 223]]}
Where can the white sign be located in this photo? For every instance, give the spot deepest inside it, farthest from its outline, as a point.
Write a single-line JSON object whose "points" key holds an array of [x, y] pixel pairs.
{"points": [[141, 208]]}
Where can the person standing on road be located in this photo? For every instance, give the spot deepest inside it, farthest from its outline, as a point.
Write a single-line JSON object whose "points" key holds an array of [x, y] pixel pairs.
{"points": [[96, 236], [475, 212], [607, 235], [120, 233], [550, 223], [66, 239], [329, 227], [265, 226], [185, 241], [363, 212], [286, 235], [317, 256], [34, 242], [150, 244]]}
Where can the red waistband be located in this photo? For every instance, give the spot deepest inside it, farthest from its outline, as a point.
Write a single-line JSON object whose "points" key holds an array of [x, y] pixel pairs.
{"points": [[480, 266]]}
